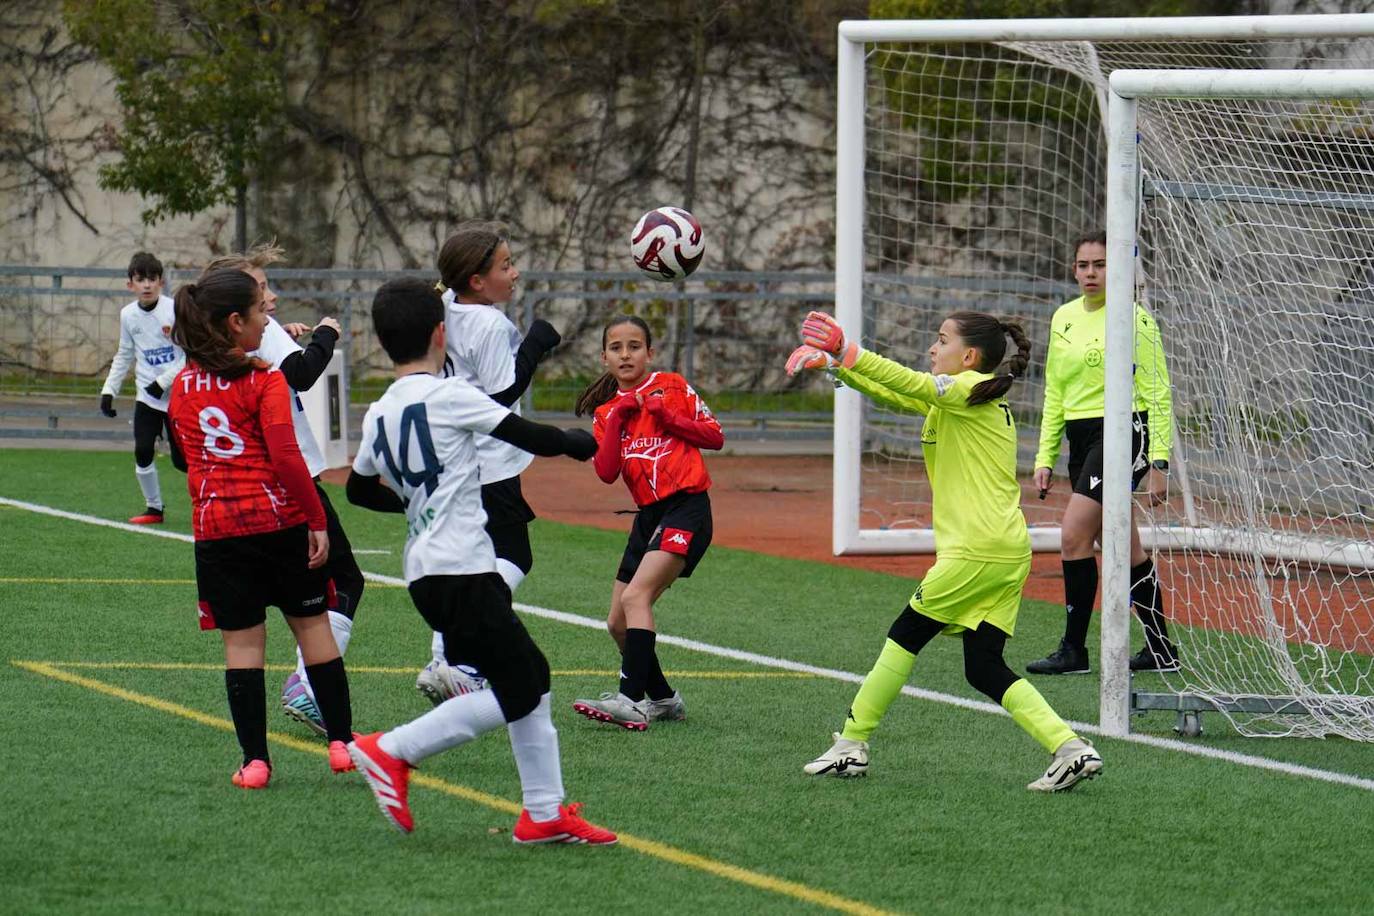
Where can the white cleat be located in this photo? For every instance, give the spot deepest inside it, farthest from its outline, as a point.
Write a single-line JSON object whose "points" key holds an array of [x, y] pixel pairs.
{"points": [[440, 681], [669, 709], [845, 758], [1074, 762]]}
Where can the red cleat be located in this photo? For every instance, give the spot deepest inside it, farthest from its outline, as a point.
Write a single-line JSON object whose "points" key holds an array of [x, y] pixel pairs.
{"points": [[150, 516], [254, 775], [339, 759], [568, 827], [388, 777]]}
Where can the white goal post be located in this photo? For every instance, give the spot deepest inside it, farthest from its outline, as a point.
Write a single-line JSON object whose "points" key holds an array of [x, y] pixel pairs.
{"points": [[970, 154]]}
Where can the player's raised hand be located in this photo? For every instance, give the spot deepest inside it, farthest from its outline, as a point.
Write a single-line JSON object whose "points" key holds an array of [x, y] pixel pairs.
{"points": [[627, 408], [823, 332], [295, 328], [319, 549], [808, 357], [544, 335], [579, 444], [331, 323], [107, 405]]}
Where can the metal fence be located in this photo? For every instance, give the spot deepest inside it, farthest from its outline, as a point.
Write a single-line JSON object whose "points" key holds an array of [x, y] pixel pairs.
{"points": [[727, 332]]}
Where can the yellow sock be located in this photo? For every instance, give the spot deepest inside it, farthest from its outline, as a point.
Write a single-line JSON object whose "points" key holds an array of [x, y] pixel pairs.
{"points": [[1033, 714], [878, 690]]}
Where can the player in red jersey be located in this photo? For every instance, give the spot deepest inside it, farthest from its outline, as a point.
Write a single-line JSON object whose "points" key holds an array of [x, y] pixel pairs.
{"points": [[650, 428], [258, 523]]}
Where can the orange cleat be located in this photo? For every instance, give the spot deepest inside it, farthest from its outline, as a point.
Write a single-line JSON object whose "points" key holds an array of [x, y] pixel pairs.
{"points": [[568, 827], [150, 516], [388, 777], [339, 759], [255, 775]]}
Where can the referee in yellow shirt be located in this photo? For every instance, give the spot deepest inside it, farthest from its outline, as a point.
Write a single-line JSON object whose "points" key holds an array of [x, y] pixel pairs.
{"points": [[1075, 396], [982, 548]]}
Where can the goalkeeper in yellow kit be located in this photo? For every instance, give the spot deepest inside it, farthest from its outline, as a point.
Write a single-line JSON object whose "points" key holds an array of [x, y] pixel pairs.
{"points": [[982, 548]]}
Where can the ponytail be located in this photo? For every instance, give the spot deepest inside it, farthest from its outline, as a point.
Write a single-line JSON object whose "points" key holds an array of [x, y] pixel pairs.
{"points": [[989, 336], [202, 309], [596, 394]]}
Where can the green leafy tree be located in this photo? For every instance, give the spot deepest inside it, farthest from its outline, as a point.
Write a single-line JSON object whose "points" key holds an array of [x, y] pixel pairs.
{"points": [[200, 84]]}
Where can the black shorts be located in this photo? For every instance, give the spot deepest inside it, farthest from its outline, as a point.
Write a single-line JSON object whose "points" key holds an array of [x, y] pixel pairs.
{"points": [[481, 630], [1085, 453], [508, 519], [679, 524], [238, 577]]}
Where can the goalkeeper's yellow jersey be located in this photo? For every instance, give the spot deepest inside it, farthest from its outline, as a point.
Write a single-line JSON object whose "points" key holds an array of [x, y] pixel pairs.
{"points": [[1075, 380], [970, 457]]}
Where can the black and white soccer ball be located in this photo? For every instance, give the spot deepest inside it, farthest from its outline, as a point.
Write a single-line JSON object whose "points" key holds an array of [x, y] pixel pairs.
{"points": [[667, 244]]}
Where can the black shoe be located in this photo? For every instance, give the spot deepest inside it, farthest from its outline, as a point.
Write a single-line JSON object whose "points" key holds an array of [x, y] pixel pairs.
{"points": [[1164, 658], [1067, 659]]}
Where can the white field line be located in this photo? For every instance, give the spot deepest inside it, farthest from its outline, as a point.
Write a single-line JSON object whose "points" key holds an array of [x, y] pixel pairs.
{"points": [[768, 661]]}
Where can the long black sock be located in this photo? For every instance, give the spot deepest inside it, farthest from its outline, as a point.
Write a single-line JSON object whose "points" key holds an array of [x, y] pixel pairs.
{"points": [[1149, 604], [635, 662], [330, 683], [248, 708], [656, 685], [1080, 590]]}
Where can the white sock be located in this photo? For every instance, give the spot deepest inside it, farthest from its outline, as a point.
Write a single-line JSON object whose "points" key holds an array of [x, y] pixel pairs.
{"points": [[512, 574], [343, 630], [535, 743], [447, 725], [436, 647], [148, 483]]}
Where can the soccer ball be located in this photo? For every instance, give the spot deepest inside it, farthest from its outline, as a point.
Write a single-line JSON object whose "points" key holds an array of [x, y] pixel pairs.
{"points": [[667, 243]]}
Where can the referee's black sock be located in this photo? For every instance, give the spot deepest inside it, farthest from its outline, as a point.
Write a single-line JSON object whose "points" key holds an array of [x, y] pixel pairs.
{"points": [[1080, 590], [330, 683], [1149, 604], [248, 708], [635, 662]]}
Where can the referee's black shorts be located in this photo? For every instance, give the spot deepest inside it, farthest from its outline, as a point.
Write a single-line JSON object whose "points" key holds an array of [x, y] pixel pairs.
{"points": [[1085, 453], [679, 524]]}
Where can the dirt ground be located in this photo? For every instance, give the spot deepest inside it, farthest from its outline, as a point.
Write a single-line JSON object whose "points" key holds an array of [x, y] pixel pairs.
{"points": [[773, 504]]}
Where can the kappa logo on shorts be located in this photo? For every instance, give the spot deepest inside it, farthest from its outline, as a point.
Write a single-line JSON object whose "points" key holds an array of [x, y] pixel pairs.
{"points": [[675, 540], [1093, 482], [207, 616]]}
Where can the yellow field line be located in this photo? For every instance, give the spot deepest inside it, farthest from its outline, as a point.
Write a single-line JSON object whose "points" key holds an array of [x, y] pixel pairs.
{"points": [[647, 847], [375, 669]]}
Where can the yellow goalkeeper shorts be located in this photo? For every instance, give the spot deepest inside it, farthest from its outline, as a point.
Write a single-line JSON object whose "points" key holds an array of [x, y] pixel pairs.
{"points": [[965, 593]]}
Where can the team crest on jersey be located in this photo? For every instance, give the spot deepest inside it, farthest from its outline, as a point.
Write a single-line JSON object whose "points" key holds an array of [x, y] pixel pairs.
{"points": [[166, 330], [675, 540]]}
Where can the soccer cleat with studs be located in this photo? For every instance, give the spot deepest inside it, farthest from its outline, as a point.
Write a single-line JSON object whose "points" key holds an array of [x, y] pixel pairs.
{"points": [[388, 777], [669, 709], [255, 774], [440, 681], [149, 516], [617, 709], [568, 827], [1163, 659], [297, 704], [339, 759], [846, 758], [1074, 762]]}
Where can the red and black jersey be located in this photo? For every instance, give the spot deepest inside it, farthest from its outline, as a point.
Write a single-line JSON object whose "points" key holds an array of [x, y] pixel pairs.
{"points": [[221, 426], [655, 463]]}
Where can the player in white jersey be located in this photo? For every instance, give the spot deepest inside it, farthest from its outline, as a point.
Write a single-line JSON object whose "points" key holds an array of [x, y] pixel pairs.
{"points": [[420, 439], [485, 349], [302, 367], [145, 344]]}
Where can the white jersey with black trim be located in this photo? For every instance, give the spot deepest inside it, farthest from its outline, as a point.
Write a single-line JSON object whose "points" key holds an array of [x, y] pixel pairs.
{"points": [[276, 346], [145, 344], [481, 347], [420, 437]]}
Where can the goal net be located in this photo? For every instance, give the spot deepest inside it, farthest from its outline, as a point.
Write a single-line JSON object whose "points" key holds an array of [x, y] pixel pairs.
{"points": [[977, 164]]}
